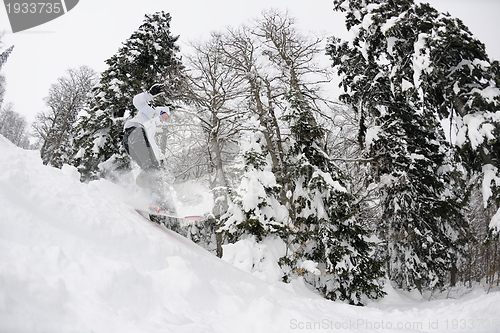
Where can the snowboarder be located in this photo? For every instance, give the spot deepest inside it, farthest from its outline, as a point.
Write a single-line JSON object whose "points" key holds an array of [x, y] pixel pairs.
{"points": [[140, 144]]}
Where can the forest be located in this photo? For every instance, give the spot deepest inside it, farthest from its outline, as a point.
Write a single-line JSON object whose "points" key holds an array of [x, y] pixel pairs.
{"points": [[391, 175]]}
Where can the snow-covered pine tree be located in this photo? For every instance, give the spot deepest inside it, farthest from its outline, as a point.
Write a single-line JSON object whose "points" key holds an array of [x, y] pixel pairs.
{"points": [[55, 127], [390, 75], [256, 210], [326, 230], [2, 89], [148, 56], [463, 85], [5, 55], [3, 58]]}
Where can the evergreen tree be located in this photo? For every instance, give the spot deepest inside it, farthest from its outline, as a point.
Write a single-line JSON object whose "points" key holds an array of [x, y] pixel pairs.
{"points": [[401, 74], [148, 56], [326, 228], [3, 58], [2, 89], [5, 55], [257, 210]]}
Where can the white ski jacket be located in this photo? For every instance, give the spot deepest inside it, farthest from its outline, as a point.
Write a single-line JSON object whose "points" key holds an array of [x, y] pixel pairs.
{"points": [[147, 117]]}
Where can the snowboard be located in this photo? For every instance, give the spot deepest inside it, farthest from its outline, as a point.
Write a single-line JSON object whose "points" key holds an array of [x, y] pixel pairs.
{"points": [[154, 181], [146, 213]]}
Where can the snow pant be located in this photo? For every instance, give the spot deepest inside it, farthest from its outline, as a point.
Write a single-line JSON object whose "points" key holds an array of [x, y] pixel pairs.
{"points": [[137, 145]]}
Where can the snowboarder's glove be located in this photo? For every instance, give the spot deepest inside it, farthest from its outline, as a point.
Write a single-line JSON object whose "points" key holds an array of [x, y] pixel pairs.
{"points": [[156, 89]]}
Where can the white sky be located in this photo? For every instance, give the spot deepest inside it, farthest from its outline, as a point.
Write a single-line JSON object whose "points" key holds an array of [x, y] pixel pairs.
{"points": [[94, 30]]}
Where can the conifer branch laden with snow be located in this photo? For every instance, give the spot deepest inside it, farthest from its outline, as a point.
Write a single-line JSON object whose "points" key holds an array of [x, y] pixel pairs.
{"points": [[402, 82]]}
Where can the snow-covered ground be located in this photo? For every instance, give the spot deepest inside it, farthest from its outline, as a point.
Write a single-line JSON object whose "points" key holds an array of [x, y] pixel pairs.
{"points": [[75, 258]]}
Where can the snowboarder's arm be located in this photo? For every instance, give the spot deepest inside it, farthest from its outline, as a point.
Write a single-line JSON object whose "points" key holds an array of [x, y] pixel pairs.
{"points": [[141, 103]]}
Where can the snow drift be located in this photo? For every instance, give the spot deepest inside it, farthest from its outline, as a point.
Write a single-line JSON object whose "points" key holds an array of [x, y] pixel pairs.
{"points": [[74, 258]]}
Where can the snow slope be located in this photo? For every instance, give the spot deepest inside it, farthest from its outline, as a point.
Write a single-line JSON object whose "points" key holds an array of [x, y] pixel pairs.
{"points": [[74, 258]]}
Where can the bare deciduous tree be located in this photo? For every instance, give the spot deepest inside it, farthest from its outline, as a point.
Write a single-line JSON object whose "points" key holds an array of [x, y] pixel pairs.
{"points": [[54, 127], [13, 126], [217, 93]]}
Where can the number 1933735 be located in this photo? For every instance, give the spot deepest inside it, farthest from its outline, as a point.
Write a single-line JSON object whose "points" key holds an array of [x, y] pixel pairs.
{"points": [[34, 7]]}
